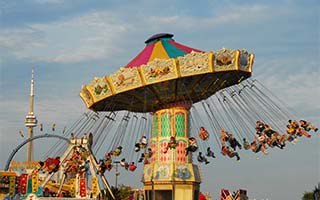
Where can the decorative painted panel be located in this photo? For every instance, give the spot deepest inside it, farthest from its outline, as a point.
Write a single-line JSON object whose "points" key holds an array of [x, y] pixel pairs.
{"points": [[155, 126], [194, 63], [180, 125], [99, 89], [165, 125], [126, 79], [159, 70], [225, 60], [86, 96]]}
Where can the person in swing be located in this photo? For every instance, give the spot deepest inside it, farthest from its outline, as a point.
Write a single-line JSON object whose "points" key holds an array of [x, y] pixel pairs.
{"points": [[234, 142], [141, 144], [246, 144], [224, 137], [203, 133], [232, 153], [172, 144], [307, 126], [260, 126], [124, 164], [202, 158], [117, 152], [210, 153], [193, 146], [256, 146], [146, 155], [132, 166]]}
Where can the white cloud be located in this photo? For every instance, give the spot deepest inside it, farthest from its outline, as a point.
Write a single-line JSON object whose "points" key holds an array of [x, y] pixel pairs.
{"points": [[234, 15], [88, 37], [95, 35]]}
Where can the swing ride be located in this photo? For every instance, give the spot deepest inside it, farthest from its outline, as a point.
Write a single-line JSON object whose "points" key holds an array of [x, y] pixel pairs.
{"points": [[167, 105]]}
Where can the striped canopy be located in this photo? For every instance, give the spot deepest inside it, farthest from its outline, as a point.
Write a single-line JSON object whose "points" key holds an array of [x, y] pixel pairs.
{"points": [[160, 46]]}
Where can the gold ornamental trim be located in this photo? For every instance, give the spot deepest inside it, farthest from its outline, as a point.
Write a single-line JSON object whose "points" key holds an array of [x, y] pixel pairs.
{"points": [[160, 70]]}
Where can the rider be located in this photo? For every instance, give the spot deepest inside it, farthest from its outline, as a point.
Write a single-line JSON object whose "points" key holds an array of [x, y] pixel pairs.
{"points": [[202, 158], [203, 134], [193, 146]]}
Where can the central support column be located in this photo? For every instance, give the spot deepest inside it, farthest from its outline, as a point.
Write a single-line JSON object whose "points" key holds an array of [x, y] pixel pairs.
{"points": [[171, 174]]}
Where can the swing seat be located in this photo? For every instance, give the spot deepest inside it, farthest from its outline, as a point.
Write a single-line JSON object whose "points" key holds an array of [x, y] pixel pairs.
{"points": [[142, 146], [172, 145], [224, 151], [203, 135], [193, 148], [132, 168]]}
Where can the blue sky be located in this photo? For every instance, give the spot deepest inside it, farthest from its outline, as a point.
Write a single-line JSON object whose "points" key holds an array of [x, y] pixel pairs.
{"points": [[71, 42]]}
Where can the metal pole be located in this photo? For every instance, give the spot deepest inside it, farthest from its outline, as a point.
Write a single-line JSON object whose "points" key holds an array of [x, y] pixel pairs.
{"points": [[117, 173]]}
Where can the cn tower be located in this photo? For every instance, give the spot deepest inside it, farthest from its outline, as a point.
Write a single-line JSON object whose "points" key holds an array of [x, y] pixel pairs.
{"points": [[31, 120]]}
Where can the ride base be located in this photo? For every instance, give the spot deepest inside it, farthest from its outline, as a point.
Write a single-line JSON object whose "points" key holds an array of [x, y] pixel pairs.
{"points": [[171, 173]]}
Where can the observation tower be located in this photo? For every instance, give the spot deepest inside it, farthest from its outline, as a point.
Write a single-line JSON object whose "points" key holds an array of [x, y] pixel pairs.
{"points": [[31, 120]]}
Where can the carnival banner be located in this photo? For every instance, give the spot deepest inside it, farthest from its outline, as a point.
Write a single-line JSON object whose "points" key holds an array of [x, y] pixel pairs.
{"points": [[35, 182], [23, 183], [95, 189], [18, 183], [12, 185], [83, 187], [73, 187]]}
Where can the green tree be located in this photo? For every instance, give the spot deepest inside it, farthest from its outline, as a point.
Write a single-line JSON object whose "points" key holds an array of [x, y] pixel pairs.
{"points": [[307, 196], [122, 192]]}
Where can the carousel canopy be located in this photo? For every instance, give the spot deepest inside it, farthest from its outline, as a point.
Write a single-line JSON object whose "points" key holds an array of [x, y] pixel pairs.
{"points": [[160, 46], [166, 72]]}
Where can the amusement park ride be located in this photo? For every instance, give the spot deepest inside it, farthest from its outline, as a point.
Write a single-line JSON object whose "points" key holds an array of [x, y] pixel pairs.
{"points": [[155, 98]]}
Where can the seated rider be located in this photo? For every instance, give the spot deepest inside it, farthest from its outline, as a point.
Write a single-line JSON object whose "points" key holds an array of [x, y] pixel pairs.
{"points": [[102, 167], [210, 153], [146, 155], [291, 131], [262, 139], [307, 126], [132, 166], [273, 141], [256, 146], [234, 142], [293, 123], [301, 132], [108, 159], [224, 136], [172, 144], [202, 158], [246, 144], [116, 152], [124, 164], [224, 150], [141, 144], [259, 127], [268, 130], [232, 153], [193, 146], [203, 134]]}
